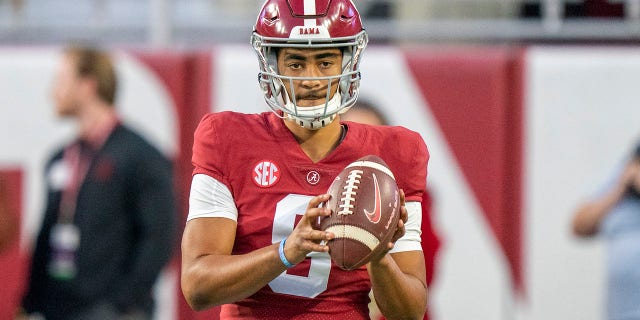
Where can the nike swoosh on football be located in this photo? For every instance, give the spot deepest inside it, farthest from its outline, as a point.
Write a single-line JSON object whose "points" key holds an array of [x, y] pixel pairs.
{"points": [[376, 214]]}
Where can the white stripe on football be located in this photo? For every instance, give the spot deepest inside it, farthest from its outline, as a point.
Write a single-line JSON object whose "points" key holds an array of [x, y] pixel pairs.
{"points": [[372, 165], [355, 233]]}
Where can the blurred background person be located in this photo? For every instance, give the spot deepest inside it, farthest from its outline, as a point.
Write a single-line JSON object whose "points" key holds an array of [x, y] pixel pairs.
{"points": [[614, 213], [109, 224], [364, 111]]}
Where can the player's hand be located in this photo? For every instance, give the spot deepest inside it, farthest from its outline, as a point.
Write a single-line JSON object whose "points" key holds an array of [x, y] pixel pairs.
{"points": [[400, 229], [305, 238], [404, 215]]}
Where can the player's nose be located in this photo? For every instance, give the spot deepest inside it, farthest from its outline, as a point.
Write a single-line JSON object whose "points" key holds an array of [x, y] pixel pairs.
{"points": [[312, 77]]}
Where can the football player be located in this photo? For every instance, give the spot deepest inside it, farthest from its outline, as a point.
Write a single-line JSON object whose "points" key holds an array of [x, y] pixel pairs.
{"points": [[259, 180]]}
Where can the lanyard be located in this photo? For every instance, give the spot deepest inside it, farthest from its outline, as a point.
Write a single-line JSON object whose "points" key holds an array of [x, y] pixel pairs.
{"points": [[79, 163]]}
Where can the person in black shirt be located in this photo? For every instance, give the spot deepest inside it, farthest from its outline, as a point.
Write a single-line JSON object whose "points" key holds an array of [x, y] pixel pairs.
{"points": [[110, 222]]}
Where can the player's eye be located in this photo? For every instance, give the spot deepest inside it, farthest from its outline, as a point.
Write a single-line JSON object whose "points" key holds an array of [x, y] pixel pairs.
{"points": [[295, 66], [326, 64]]}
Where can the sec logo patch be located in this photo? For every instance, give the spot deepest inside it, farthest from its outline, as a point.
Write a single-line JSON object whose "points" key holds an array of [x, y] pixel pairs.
{"points": [[266, 174]]}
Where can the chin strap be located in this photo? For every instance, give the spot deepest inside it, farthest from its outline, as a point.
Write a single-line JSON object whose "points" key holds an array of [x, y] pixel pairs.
{"points": [[312, 124]]}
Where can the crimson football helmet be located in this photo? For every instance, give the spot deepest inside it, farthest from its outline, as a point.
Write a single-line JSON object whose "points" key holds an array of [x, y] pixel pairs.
{"points": [[309, 24]]}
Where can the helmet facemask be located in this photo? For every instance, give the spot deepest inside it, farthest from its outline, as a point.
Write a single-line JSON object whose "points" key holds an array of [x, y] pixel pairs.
{"points": [[273, 84]]}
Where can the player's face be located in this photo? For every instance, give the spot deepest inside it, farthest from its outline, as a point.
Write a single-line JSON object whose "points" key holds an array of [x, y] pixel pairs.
{"points": [[310, 63], [65, 88]]}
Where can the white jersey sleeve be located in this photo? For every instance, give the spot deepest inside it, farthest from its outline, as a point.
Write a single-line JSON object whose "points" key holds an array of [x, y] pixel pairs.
{"points": [[411, 239], [210, 198]]}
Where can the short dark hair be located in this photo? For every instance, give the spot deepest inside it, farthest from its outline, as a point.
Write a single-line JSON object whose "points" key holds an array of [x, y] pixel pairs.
{"points": [[97, 64]]}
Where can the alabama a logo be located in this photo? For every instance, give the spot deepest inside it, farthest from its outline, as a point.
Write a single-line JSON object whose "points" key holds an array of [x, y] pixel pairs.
{"points": [[313, 177]]}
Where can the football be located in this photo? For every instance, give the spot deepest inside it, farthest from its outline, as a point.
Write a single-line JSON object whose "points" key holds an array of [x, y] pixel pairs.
{"points": [[365, 208]]}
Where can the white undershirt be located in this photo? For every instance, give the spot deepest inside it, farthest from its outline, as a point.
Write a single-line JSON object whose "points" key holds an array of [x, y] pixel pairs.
{"points": [[210, 198]]}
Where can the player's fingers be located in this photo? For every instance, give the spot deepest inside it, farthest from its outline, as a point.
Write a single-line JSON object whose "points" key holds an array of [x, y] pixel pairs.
{"points": [[296, 248], [305, 233], [318, 235], [404, 214], [316, 247], [317, 200], [312, 214], [399, 231], [310, 241], [315, 212], [402, 197]]}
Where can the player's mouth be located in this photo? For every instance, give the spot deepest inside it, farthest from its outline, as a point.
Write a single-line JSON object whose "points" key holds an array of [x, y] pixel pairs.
{"points": [[311, 100]]}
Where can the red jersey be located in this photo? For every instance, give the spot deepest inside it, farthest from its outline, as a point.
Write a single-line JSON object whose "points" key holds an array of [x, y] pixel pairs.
{"points": [[272, 180]]}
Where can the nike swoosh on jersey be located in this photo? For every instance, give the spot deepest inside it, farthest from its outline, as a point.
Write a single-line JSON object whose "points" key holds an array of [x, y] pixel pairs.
{"points": [[375, 215]]}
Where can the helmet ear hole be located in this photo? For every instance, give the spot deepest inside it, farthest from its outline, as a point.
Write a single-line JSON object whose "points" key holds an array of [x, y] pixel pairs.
{"points": [[265, 86], [344, 86], [266, 89]]}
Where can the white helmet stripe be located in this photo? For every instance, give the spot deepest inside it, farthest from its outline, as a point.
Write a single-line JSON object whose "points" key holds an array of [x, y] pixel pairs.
{"points": [[310, 9]]}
